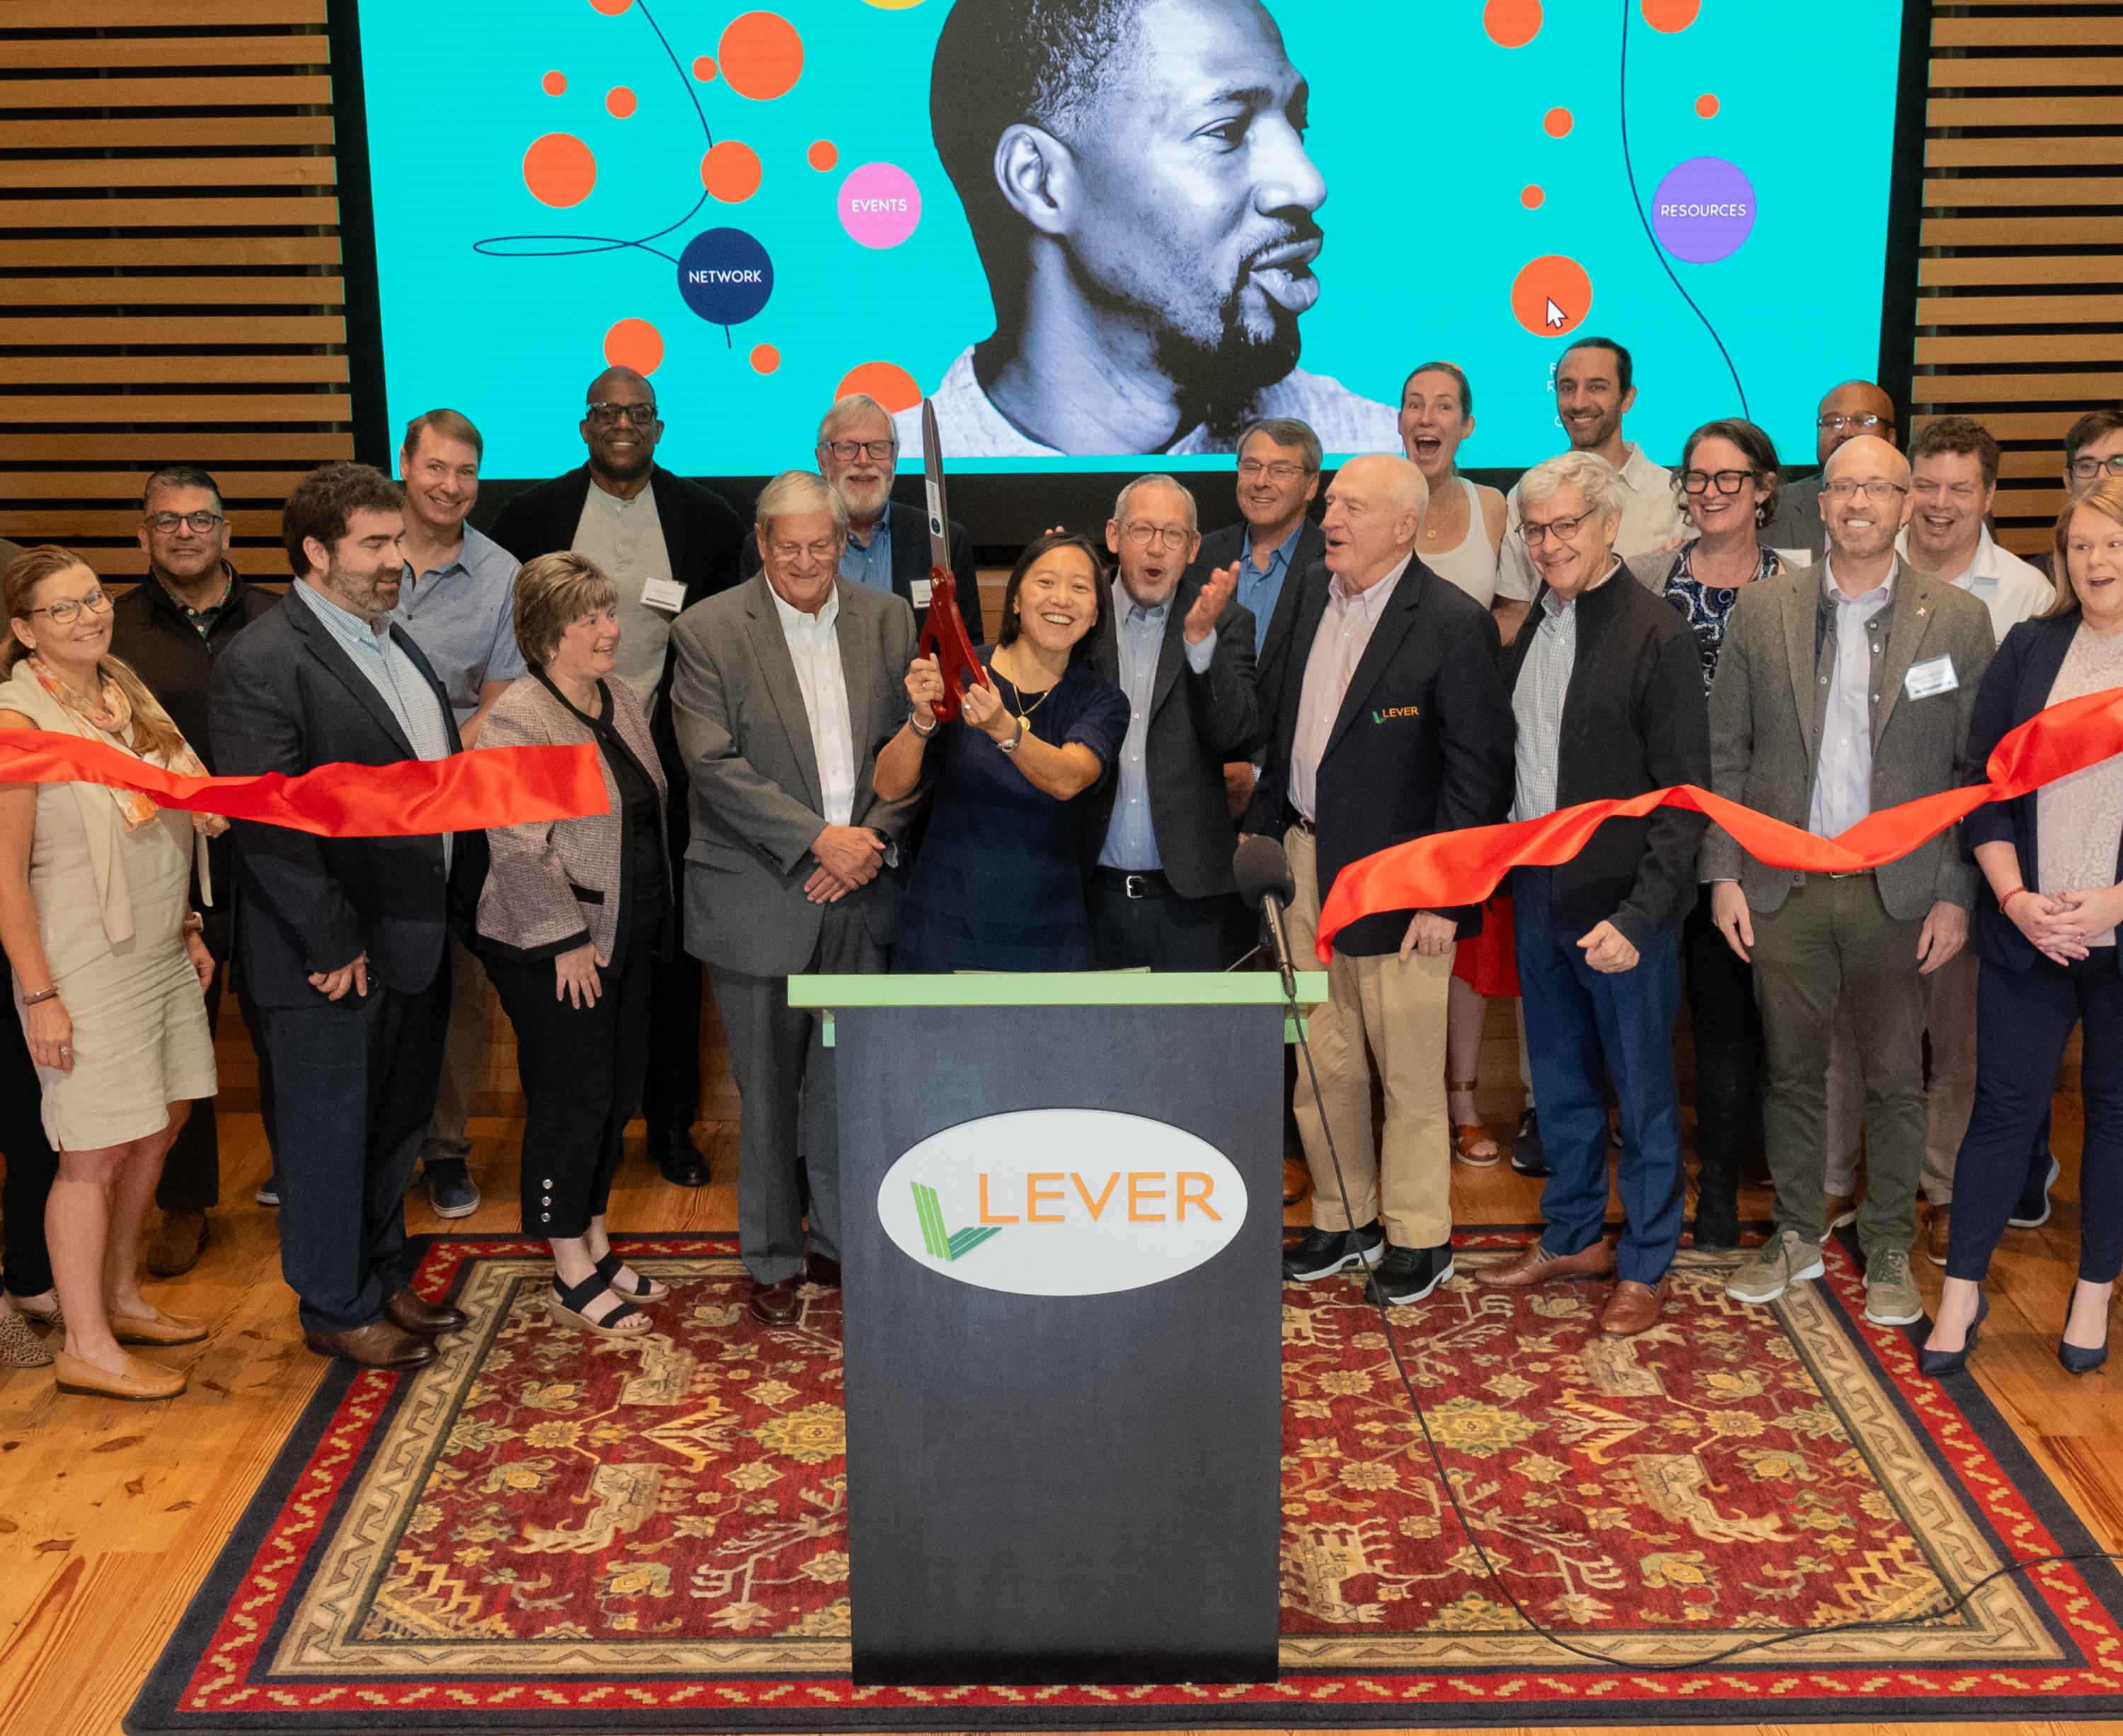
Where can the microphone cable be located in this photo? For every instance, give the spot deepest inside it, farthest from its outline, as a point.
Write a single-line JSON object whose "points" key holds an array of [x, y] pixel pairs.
{"points": [[1762, 1639]]}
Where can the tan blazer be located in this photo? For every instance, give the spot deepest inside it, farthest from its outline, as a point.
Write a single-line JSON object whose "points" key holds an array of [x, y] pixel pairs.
{"points": [[1767, 706], [551, 884]]}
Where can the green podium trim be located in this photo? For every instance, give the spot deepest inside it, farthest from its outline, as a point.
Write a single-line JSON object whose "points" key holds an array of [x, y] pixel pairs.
{"points": [[1056, 988]]}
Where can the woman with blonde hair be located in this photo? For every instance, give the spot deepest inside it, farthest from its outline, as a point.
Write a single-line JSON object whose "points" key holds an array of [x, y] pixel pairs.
{"points": [[109, 970]]}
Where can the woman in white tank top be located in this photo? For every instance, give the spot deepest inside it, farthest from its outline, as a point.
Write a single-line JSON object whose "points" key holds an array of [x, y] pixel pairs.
{"points": [[1461, 535], [1464, 529]]}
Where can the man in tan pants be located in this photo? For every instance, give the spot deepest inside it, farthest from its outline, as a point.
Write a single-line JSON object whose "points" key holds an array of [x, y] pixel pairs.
{"points": [[1393, 723]]}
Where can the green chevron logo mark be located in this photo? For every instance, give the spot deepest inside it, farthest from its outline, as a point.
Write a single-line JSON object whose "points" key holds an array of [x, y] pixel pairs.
{"points": [[941, 1243]]}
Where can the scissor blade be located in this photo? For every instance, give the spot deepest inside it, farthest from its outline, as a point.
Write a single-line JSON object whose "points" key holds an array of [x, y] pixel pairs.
{"points": [[932, 476]]}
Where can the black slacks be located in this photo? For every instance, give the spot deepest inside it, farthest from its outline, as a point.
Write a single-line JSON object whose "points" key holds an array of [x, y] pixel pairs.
{"points": [[1162, 932], [25, 1270], [581, 1067]]}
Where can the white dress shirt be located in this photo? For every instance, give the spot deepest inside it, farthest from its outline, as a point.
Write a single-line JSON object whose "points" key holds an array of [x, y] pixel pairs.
{"points": [[815, 647], [1850, 665], [2004, 584], [1651, 518], [1345, 630]]}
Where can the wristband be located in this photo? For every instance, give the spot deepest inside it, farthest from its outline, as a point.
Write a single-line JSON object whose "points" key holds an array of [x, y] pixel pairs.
{"points": [[915, 724], [2009, 898], [42, 994]]}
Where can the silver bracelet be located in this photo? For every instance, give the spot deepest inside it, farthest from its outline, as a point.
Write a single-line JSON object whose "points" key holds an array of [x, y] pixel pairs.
{"points": [[915, 724]]}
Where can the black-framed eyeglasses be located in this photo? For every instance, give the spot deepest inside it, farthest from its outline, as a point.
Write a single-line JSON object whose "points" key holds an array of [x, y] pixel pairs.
{"points": [[1565, 530], [1725, 482], [877, 452], [608, 415], [166, 522], [97, 602], [2085, 470], [1853, 425]]}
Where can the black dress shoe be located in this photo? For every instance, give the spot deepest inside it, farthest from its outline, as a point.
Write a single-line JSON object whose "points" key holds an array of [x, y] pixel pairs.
{"points": [[2076, 1358], [776, 1304], [405, 1311], [379, 1345], [672, 1149], [823, 1271], [1940, 1363]]}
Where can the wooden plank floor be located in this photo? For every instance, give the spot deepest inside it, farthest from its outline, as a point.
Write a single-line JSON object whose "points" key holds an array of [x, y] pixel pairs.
{"points": [[109, 1514]]}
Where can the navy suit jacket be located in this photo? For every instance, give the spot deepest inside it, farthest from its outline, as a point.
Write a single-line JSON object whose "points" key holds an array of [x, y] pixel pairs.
{"points": [[285, 697], [1220, 548], [2015, 686], [1423, 742], [910, 562]]}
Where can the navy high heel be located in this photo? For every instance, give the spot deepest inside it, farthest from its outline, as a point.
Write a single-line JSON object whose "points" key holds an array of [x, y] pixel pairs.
{"points": [[1939, 1363], [2075, 1359]]}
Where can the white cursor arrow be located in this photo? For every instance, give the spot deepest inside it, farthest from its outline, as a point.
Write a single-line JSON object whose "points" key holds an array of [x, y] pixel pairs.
{"points": [[1556, 315]]}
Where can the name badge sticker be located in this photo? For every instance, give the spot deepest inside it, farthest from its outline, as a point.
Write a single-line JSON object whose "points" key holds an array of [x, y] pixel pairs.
{"points": [[922, 587], [1925, 679], [666, 594]]}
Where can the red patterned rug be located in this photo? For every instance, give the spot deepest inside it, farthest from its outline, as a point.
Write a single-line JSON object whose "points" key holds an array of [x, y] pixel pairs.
{"points": [[547, 1531]]}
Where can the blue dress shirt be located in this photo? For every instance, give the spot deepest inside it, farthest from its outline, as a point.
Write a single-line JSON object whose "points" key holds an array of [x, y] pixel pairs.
{"points": [[870, 566], [463, 618], [1259, 587], [1139, 637]]}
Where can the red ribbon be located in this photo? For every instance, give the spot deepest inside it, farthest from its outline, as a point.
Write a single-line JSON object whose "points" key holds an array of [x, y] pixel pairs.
{"points": [[1448, 869], [413, 798]]}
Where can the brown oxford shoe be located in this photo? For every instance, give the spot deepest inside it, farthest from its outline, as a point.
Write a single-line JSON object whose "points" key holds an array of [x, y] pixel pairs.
{"points": [[1633, 1307], [407, 1312], [1538, 1266], [776, 1304], [379, 1345]]}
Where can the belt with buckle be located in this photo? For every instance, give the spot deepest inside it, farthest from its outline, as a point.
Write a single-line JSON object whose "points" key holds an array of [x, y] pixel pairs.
{"points": [[1140, 883], [1293, 817]]}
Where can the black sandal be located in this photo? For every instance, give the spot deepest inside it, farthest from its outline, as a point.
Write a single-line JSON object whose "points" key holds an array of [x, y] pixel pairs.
{"points": [[609, 1269], [569, 1303]]}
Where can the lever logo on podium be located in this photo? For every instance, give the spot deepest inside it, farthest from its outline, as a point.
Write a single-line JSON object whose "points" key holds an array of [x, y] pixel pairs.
{"points": [[1095, 1201]]}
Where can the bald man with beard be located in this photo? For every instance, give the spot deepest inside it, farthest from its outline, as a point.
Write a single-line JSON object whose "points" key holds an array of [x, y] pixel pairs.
{"points": [[666, 543], [1851, 410]]}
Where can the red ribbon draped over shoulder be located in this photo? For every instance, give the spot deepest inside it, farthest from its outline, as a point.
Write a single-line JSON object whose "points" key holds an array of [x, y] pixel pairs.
{"points": [[1455, 868], [413, 798]]}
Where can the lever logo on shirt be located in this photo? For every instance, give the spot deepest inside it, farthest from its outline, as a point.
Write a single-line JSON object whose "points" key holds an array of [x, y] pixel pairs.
{"points": [[1092, 1201], [1391, 712]]}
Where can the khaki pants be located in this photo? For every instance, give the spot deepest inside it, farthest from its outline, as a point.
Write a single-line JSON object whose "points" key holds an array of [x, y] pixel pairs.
{"points": [[1377, 1009], [1950, 1009]]}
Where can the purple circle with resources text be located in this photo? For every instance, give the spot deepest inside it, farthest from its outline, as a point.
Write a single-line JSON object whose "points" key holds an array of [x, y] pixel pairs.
{"points": [[1704, 210]]}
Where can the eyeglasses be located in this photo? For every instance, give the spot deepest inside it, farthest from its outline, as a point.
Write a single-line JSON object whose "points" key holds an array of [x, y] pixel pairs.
{"points": [[2087, 469], [97, 602], [1141, 535], [608, 415], [788, 553], [1725, 482], [1856, 424], [166, 522], [848, 451], [1878, 488], [1564, 530], [1281, 471]]}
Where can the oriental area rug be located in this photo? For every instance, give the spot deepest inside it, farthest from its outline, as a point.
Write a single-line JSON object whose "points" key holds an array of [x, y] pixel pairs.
{"points": [[546, 1530]]}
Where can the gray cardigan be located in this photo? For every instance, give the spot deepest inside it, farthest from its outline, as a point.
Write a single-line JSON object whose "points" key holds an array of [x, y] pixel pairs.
{"points": [[556, 883]]}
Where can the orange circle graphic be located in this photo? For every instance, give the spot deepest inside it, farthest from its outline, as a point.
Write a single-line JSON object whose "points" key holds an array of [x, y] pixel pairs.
{"points": [[634, 344], [1706, 105], [1532, 197], [620, 100], [1511, 23], [611, 8], [890, 384], [704, 67], [762, 56], [1670, 15], [731, 171], [1551, 295], [559, 169], [765, 358], [823, 155], [555, 83], [1556, 122]]}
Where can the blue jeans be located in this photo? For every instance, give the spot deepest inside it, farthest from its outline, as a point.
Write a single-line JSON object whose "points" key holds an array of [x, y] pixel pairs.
{"points": [[1580, 1027]]}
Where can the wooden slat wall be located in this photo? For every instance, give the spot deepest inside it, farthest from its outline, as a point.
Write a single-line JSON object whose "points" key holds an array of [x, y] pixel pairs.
{"points": [[2020, 298], [169, 286]]}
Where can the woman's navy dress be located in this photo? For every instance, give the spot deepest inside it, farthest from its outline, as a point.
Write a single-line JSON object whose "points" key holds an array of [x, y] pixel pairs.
{"points": [[999, 885]]}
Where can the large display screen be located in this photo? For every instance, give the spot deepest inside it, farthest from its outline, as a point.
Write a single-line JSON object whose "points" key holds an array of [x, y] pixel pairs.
{"points": [[1102, 231]]}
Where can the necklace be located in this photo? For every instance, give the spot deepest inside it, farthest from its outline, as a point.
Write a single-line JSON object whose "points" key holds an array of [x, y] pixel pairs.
{"points": [[1024, 715], [1433, 526]]}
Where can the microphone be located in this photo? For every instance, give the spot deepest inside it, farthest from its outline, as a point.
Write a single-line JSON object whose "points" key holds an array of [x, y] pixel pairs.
{"points": [[1264, 883]]}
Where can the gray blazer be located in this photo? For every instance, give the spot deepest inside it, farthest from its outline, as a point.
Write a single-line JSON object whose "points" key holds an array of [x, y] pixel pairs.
{"points": [[553, 884], [1767, 707], [1796, 523], [756, 807]]}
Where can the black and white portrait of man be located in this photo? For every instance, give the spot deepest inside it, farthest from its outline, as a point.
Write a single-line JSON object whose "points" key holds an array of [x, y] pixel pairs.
{"points": [[1136, 178]]}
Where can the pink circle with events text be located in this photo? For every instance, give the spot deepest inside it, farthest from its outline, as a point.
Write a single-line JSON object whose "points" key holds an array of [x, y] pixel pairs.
{"points": [[879, 204]]}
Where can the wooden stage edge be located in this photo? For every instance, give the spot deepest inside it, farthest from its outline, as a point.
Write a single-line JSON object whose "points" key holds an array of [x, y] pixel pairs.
{"points": [[110, 1516]]}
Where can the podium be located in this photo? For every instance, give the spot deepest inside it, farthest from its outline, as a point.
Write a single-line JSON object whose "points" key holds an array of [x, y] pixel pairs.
{"points": [[1062, 1209]]}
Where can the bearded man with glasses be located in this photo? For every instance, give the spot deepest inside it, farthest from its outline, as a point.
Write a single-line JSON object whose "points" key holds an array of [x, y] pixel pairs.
{"points": [[1839, 693], [666, 543], [170, 627]]}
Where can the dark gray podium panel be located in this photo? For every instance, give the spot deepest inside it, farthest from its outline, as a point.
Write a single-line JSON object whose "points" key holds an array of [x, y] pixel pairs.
{"points": [[1049, 1488]]}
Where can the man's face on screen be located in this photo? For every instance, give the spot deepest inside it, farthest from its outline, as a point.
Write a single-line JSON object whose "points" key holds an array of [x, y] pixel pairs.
{"points": [[1196, 193]]}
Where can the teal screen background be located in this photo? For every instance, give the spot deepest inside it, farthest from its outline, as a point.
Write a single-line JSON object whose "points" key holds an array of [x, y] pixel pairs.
{"points": [[1427, 130]]}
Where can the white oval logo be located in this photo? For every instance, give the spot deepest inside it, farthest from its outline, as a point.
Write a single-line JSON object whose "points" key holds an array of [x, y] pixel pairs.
{"points": [[1062, 1202]]}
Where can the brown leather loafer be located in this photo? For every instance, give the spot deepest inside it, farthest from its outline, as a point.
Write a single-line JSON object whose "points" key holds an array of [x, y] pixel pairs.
{"points": [[379, 1345], [1538, 1266], [407, 1312], [178, 1243], [1297, 1181], [1633, 1307], [823, 1272], [776, 1304], [157, 1328], [143, 1380]]}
